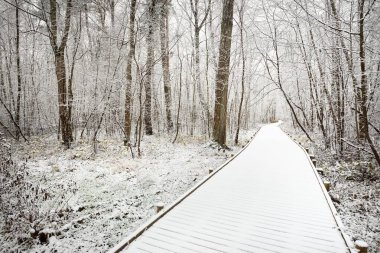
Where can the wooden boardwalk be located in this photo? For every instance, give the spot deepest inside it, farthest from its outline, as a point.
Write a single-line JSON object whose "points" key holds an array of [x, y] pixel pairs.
{"points": [[269, 198]]}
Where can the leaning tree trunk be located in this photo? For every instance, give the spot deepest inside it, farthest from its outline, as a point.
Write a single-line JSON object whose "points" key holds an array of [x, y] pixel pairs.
{"points": [[221, 89]]}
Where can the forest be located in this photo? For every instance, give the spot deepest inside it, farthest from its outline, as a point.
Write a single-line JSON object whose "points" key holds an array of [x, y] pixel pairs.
{"points": [[104, 95]]}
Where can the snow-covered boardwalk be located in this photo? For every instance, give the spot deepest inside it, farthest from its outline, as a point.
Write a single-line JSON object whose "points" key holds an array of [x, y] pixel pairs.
{"points": [[268, 199]]}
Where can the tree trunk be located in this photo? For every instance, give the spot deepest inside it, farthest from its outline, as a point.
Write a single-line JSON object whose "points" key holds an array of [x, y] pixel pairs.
{"points": [[348, 58], [128, 89], [279, 83], [60, 69], [241, 14], [18, 101], [362, 99], [363, 115], [221, 89], [207, 84], [149, 64], [179, 100], [337, 83], [324, 86], [198, 24], [71, 78], [164, 36], [112, 11], [3, 93]]}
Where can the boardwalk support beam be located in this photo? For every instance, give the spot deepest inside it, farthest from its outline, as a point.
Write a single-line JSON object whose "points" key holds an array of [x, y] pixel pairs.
{"points": [[159, 206], [327, 185], [321, 171], [362, 246]]}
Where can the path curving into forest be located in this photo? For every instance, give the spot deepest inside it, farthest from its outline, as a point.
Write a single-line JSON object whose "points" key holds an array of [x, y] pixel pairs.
{"points": [[269, 198]]}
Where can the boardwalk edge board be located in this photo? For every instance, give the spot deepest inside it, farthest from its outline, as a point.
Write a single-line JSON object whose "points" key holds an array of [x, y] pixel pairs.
{"points": [[350, 245], [125, 243]]}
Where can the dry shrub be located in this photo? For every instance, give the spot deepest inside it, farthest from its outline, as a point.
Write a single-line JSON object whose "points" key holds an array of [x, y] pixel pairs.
{"points": [[28, 211]]}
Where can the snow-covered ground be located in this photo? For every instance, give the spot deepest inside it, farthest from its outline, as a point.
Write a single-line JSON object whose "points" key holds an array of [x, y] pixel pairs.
{"points": [[356, 195], [109, 194]]}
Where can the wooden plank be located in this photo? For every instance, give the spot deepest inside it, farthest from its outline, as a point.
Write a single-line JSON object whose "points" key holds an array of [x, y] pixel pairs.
{"points": [[125, 242], [268, 199]]}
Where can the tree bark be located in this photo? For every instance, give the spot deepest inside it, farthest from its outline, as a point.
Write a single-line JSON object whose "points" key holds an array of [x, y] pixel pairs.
{"points": [[337, 84], [112, 11], [363, 98], [18, 101], [60, 69], [128, 89], [221, 89], [164, 37], [3, 93], [149, 66]]}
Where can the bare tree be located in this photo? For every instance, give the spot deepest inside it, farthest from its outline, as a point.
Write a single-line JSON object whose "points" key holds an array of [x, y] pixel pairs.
{"points": [[60, 67], [276, 63], [198, 23]]}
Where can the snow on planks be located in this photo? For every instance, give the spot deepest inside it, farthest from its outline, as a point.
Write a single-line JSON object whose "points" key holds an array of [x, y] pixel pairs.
{"points": [[268, 199]]}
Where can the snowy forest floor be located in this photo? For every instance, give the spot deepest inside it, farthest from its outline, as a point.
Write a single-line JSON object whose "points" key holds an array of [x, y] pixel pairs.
{"points": [[355, 188], [99, 199]]}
